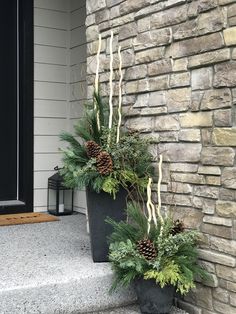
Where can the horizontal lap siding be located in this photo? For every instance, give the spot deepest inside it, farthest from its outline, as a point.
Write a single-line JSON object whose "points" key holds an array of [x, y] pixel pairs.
{"points": [[51, 106]]}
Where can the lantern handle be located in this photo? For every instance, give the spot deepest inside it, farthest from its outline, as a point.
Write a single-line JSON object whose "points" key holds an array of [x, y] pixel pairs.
{"points": [[57, 168]]}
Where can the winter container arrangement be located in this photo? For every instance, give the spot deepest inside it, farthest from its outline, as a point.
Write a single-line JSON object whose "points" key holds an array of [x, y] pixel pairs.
{"points": [[154, 253], [110, 161]]}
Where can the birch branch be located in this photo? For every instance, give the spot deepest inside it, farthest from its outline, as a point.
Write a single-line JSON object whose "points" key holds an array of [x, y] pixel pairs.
{"points": [[96, 79], [158, 207], [120, 96], [150, 206], [110, 82]]}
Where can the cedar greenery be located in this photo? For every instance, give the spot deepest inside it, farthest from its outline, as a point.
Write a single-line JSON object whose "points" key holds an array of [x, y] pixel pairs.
{"points": [[128, 161], [176, 259]]}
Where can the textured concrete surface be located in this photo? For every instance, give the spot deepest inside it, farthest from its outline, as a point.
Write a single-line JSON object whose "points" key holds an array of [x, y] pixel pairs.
{"points": [[134, 309], [47, 268]]}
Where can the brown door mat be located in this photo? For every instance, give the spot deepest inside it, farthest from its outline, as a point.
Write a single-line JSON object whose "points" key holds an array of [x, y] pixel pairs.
{"points": [[25, 218]]}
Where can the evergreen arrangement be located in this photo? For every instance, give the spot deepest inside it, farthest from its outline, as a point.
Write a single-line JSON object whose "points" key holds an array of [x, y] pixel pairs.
{"points": [[151, 246], [101, 154], [95, 159]]}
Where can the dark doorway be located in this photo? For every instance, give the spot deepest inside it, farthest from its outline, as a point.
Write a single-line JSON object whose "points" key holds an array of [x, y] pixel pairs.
{"points": [[16, 109]]}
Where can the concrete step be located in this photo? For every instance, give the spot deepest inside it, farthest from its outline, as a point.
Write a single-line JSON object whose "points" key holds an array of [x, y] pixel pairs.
{"points": [[47, 268], [134, 309]]}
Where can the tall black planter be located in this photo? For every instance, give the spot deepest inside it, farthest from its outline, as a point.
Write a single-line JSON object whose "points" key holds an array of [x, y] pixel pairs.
{"points": [[100, 206], [152, 298]]}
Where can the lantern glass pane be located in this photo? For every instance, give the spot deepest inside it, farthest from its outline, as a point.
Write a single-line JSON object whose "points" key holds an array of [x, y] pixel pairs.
{"points": [[52, 199]]}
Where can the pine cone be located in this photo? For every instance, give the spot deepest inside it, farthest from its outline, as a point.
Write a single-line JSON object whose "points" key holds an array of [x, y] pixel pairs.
{"points": [[93, 149], [104, 163], [147, 249], [178, 227]]}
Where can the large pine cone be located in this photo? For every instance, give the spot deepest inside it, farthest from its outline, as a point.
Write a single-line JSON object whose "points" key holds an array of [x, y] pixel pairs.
{"points": [[92, 149], [147, 249], [178, 227], [104, 163]]}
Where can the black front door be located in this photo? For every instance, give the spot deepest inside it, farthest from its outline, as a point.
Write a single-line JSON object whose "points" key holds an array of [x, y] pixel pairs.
{"points": [[16, 109]]}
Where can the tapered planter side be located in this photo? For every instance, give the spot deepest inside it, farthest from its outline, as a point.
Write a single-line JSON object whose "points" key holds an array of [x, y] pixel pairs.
{"points": [[152, 298], [100, 206]]}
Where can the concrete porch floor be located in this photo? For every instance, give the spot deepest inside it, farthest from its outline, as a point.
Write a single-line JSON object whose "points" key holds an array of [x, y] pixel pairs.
{"points": [[47, 268]]}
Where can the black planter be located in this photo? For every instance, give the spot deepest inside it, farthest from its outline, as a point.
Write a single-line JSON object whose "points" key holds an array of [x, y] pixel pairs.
{"points": [[152, 298], [100, 206]]}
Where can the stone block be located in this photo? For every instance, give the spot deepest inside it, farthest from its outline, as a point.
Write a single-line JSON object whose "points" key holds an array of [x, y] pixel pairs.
{"points": [[223, 245], [217, 258], [192, 217], [216, 230], [216, 99], [160, 67], [152, 38], [222, 2], [176, 199], [179, 152], [196, 45], [209, 170], [207, 191], [159, 83], [233, 299], [179, 188], [127, 31], [223, 117], [202, 78], [231, 286], [136, 72], [101, 16], [230, 36], [149, 55], [225, 74], [201, 296], [208, 206], [206, 136], [168, 136], [223, 308], [95, 5], [178, 99], [207, 58], [217, 156], [221, 295], [227, 194], [190, 135], [224, 136], [166, 123], [142, 124], [183, 167], [180, 65], [169, 17], [196, 100], [132, 5], [218, 221], [189, 177], [198, 119], [157, 99], [179, 80], [226, 209], [229, 177], [213, 180], [141, 101]]}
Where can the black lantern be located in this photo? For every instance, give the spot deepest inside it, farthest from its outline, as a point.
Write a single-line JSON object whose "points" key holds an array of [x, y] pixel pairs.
{"points": [[60, 198]]}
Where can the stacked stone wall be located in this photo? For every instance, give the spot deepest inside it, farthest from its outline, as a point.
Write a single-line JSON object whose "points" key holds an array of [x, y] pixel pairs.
{"points": [[179, 63]]}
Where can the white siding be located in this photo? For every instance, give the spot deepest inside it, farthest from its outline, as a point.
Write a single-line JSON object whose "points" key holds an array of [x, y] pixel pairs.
{"points": [[51, 104], [59, 85]]}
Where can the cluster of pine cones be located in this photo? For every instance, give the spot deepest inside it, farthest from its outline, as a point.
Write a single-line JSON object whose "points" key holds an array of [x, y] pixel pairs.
{"points": [[147, 248], [104, 161]]}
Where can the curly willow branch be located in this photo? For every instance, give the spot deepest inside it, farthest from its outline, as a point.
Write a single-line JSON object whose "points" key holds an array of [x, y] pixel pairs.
{"points": [[120, 96]]}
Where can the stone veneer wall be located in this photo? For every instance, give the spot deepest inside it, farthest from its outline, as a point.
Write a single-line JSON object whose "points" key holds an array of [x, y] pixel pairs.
{"points": [[180, 87]]}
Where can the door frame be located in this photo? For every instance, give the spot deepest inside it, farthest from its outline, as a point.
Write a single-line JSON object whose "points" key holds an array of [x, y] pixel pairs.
{"points": [[26, 104]]}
